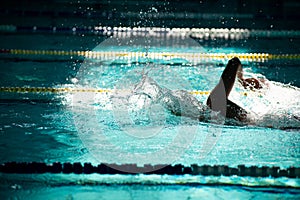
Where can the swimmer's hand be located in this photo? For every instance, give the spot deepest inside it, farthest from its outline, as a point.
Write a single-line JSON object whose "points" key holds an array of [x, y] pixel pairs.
{"points": [[251, 83]]}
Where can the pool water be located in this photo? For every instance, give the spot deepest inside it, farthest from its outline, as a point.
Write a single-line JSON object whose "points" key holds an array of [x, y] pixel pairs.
{"points": [[122, 127], [90, 187]]}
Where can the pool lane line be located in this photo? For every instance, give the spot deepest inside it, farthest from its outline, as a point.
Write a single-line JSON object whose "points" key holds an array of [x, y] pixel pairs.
{"points": [[51, 90], [160, 169], [222, 33], [83, 90], [153, 55]]}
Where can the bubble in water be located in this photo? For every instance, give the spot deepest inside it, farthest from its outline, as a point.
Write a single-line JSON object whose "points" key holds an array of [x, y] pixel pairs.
{"points": [[74, 80], [154, 9]]}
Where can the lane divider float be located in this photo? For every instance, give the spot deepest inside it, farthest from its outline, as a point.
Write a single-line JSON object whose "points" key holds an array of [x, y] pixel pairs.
{"points": [[160, 169], [206, 33], [68, 90], [154, 55], [77, 90]]}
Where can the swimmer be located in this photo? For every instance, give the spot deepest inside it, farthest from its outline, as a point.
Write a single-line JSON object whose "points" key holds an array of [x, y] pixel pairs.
{"points": [[218, 98], [182, 103]]}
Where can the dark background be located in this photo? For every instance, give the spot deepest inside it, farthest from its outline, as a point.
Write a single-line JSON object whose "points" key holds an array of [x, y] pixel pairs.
{"points": [[255, 14], [34, 21]]}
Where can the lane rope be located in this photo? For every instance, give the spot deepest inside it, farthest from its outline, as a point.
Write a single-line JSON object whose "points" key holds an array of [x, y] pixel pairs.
{"points": [[77, 90], [223, 33], [153, 55], [179, 169], [51, 90]]}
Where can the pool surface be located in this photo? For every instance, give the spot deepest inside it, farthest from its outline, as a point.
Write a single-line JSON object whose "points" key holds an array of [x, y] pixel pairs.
{"points": [[96, 118]]}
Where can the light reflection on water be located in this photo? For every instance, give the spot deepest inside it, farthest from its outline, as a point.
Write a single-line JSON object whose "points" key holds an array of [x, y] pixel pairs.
{"points": [[46, 132], [249, 145]]}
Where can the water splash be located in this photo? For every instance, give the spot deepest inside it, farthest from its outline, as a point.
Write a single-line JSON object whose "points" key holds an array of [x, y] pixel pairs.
{"points": [[179, 102], [268, 108], [276, 105]]}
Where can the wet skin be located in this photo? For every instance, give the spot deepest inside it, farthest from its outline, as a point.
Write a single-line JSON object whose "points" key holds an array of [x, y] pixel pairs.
{"points": [[218, 98]]}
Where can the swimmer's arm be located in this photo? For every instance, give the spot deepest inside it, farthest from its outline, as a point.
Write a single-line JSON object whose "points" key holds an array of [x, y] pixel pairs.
{"points": [[240, 74]]}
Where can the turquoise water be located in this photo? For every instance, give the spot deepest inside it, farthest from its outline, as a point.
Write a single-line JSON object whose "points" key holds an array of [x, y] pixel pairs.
{"points": [[52, 121], [100, 127], [136, 187]]}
